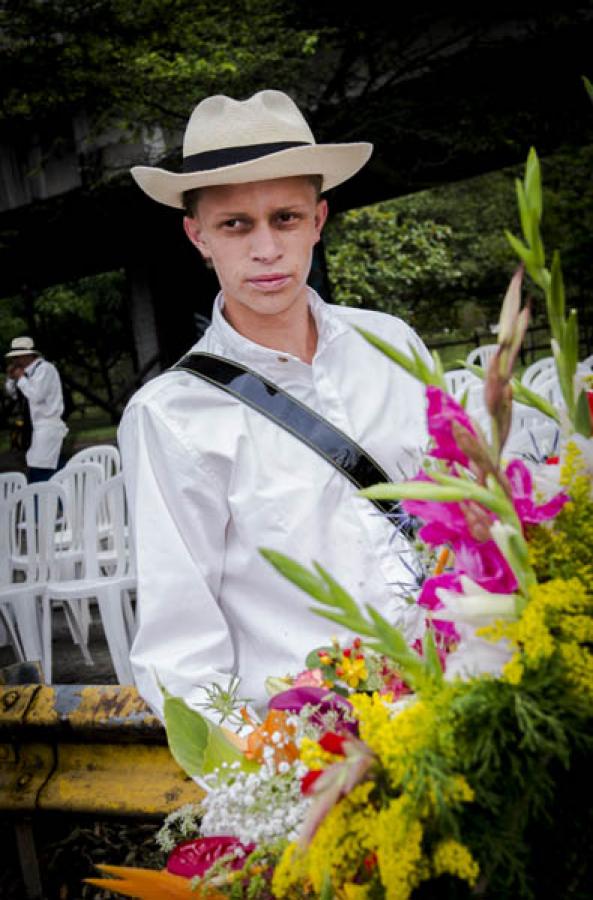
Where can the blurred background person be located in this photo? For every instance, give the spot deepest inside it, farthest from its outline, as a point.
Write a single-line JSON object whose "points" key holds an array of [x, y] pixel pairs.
{"points": [[38, 382]]}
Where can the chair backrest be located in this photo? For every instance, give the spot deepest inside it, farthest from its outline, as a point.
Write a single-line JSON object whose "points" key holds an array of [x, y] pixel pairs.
{"points": [[534, 443], [11, 482], [32, 515], [458, 380], [481, 356], [536, 370], [106, 455], [111, 495], [80, 482]]}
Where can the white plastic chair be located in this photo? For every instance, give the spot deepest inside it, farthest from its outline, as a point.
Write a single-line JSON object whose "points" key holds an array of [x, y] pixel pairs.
{"points": [[458, 380], [110, 587], [11, 482], [481, 356], [106, 455], [31, 516], [537, 369], [535, 443], [80, 482]]}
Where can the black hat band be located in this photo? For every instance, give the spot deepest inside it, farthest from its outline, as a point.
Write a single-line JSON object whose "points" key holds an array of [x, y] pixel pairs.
{"points": [[229, 156]]}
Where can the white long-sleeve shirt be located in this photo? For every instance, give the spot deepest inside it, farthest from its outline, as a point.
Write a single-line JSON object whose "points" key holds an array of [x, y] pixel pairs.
{"points": [[210, 480], [42, 388]]}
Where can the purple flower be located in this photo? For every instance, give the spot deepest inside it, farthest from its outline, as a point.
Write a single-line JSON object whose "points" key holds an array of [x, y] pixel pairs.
{"points": [[323, 699]]}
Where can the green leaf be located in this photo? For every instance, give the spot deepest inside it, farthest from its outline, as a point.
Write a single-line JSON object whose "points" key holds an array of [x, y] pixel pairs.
{"points": [[405, 362], [588, 87], [528, 397], [416, 490], [312, 660], [533, 184], [557, 302], [571, 345], [522, 251], [582, 417], [524, 213], [198, 745], [298, 574], [393, 644], [430, 652]]}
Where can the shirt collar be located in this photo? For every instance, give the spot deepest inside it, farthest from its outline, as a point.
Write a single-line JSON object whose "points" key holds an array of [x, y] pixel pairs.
{"points": [[32, 366], [236, 345]]}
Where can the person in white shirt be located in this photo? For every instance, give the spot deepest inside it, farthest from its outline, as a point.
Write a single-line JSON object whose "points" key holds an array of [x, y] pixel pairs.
{"points": [[39, 383], [210, 480]]}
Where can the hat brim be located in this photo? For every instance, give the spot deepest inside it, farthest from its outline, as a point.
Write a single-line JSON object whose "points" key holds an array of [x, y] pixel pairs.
{"points": [[334, 162], [21, 353]]}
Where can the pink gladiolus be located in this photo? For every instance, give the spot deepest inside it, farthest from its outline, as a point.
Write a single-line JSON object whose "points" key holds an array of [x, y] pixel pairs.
{"points": [[445, 631], [485, 564], [442, 411], [521, 484]]}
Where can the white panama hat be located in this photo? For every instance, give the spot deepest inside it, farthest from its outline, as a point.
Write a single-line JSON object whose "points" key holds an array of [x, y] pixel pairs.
{"points": [[21, 346], [235, 141]]}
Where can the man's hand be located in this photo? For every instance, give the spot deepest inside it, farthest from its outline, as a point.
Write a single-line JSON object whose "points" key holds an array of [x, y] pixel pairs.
{"points": [[15, 372]]}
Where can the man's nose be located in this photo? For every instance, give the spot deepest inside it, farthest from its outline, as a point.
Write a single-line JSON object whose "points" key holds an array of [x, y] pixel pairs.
{"points": [[266, 245]]}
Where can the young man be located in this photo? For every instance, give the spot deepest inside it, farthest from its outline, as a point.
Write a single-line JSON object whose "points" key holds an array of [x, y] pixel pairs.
{"points": [[39, 383], [210, 479]]}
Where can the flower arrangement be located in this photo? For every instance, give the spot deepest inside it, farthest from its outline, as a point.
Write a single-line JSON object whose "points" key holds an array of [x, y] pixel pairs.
{"points": [[455, 767]]}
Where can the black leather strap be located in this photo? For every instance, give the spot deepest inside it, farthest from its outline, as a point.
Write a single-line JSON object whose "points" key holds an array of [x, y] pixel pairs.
{"points": [[301, 421]]}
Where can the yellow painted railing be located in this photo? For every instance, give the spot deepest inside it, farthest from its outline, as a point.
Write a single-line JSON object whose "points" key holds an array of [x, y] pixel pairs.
{"points": [[86, 749]]}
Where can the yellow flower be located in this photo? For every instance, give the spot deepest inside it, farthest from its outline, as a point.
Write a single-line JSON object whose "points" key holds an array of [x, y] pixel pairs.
{"points": [[353, 670], [452, 858], [289, 872], [314, 756]]}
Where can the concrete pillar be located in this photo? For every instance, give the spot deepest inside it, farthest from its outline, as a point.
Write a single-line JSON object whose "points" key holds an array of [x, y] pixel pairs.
{"points": [[143, 322]]}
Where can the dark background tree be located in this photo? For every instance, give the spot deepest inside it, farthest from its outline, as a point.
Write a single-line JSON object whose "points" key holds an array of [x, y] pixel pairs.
{"points": [[443, 92]]}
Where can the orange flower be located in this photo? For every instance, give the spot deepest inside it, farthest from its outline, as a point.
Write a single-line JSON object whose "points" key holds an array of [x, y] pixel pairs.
{"points": [[274, 732], [151, 884]]}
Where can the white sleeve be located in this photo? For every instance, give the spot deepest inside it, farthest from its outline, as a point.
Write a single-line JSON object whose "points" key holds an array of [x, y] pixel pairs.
{"points": [[10, 387], [179, 513], [43, 387]]}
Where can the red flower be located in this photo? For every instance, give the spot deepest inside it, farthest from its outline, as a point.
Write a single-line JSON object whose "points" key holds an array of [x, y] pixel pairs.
{"points": [[308, 780], [196, 856], [332, 743]]}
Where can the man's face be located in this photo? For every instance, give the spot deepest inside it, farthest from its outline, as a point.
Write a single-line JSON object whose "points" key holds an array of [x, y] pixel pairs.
{"points": [[259, 238], [18, 364]]}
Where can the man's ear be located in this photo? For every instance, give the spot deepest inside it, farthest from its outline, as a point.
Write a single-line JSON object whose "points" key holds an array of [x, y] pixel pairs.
{"points": [[192, 229], [321, 212]]}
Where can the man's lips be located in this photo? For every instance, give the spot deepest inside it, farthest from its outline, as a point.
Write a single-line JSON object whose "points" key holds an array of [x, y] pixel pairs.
{"points": [[271, 280]]}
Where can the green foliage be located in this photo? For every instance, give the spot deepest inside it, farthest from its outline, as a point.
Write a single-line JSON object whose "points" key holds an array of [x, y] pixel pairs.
{"points": [[143, 62], [379, 260], [518, 747], [563, 327]]}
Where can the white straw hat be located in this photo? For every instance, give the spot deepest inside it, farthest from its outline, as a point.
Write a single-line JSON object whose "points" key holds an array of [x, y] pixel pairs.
{"points": [[21, 346], [235, 141]]}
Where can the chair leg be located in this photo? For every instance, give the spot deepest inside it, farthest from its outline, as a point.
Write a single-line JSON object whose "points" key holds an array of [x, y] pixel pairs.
{"points": [[46, 612], [75, 628], [25, 613], [131, 623], [114, 626], [6, 616]]}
